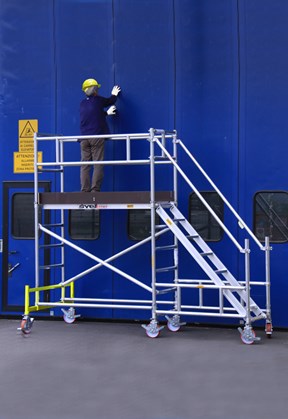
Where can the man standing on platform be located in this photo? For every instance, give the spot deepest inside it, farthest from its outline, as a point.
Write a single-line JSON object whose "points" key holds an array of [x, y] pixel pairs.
{"points": [[93, 115]]}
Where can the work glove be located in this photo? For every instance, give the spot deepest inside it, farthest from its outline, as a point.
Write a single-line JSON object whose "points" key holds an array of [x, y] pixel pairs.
{"points": [[111, 110], [116, 90]]}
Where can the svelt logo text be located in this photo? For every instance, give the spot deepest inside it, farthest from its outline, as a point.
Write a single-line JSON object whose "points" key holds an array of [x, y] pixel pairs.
{"points": [[87, 206]]}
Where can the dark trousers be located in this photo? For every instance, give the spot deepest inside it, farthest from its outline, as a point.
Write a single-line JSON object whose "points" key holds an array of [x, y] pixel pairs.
{"points": [[92, 149]]}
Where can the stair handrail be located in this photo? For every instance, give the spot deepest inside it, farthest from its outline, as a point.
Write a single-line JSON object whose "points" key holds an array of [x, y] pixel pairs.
{"points": [[241, 223]]}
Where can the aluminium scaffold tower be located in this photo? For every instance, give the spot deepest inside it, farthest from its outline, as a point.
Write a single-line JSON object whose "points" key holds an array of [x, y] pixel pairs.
{"points": [[233, 295]]}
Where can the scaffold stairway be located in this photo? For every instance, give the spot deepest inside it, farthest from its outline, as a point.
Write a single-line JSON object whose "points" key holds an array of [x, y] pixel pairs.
{"points": [[216, 271]]}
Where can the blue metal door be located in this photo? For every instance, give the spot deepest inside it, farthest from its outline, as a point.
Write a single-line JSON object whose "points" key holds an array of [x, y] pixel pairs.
{"points": [[18, 243]]}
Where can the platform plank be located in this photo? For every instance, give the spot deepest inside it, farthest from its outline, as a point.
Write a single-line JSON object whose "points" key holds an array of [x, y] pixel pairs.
{"points": [[135, 197]]}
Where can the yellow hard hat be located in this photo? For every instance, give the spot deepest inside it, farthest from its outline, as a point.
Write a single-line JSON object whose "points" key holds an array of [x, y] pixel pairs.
{"points": [[89, 83]]}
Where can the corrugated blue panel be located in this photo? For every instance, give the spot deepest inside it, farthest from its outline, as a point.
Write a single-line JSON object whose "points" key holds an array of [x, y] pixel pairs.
{"points": [[215, 71], [27, 70], [84, 49], [207, 78], [144, 57], [145, 69], [27, 87], [264, 68], [206, 38], [263, 121]]}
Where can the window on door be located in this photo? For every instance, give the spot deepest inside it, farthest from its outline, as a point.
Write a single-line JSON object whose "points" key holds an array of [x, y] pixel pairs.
{"points": [[201, 219], [23, 215], [84, 224], [139, 223], [271, 216]]}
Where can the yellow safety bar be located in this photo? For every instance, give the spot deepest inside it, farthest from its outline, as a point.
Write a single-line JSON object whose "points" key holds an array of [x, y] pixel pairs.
{"points": [[37, 290]]}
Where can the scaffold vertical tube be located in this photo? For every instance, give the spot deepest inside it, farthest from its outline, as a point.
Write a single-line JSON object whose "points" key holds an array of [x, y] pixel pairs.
{"points": [[247, 282], [27, 300], [62, 182], [152, 213], [268, 278], [72, 290], [36, 220], [176, 249]]}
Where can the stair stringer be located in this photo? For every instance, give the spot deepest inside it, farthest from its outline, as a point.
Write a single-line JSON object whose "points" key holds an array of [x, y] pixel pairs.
{"points": [[215, 260], [200, 261]]}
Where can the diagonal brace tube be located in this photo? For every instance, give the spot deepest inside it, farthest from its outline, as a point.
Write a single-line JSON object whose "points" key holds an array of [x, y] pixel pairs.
{"points": [[129, 249], [93, 257]]}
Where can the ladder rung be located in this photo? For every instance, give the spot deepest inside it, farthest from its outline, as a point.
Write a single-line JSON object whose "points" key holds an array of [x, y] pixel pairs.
{"points": [[48, 246], [56, 265], [160, 158], [159, 226], [53, 225], [50, 170], [179, 219], [220, 271], [192, 236], [166, 290], [207, 253], [167, 268], [170, 247], [193, 281]]}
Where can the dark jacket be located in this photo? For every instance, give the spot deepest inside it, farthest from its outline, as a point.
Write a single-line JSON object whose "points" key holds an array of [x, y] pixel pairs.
{"points": [[93, 114]]}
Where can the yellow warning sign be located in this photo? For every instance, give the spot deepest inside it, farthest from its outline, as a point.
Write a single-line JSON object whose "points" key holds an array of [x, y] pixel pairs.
{"points": [[24, 157], [27, 128], [26, 145], [24, 162]]}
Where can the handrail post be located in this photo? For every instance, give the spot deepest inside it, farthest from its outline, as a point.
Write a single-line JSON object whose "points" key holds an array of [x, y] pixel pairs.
{"points": [[163, 141], [178, 297], [128, 148], [247, 282], [60, 147], [152, 214], [268, 278], [175, 172], [36, 217]]}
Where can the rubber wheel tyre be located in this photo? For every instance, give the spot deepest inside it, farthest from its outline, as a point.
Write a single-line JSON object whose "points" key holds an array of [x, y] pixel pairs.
{"points": [[246, 340], [24, 328]]}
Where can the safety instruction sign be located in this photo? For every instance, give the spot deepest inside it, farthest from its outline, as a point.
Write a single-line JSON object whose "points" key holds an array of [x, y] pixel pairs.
{"points": [[24, 162], [24, 157], [27, 128]]}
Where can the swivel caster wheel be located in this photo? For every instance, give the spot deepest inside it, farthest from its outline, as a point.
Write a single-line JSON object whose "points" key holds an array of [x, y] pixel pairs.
{"points": [[269, 330], [174, 324], [69, 316], [173, 328], [152, 329], [152, 333], [248, 336], [26, 324]]}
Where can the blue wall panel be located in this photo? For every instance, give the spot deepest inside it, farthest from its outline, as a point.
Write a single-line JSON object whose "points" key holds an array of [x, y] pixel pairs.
{"points": [[215, 71], [206, 36], [145, 69], [263, 120], [84, 49], [27, 77], [144, 57]]}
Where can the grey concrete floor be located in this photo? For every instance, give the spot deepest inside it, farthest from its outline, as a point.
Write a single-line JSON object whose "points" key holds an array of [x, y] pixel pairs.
{"points": [[113, 371]]}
